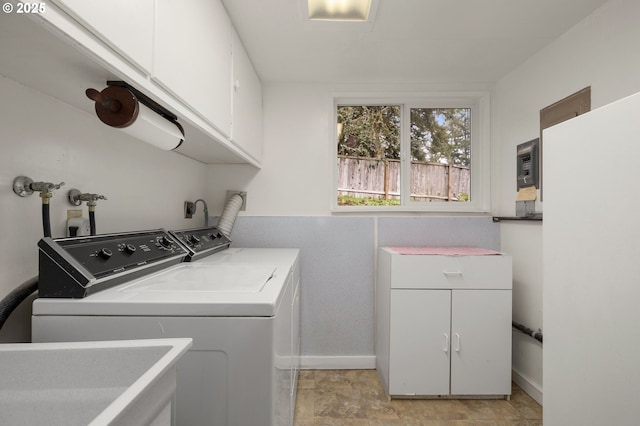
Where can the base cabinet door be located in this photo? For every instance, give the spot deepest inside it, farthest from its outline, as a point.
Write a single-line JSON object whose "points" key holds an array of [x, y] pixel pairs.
{"points": [[419, 342], [481, 342]]}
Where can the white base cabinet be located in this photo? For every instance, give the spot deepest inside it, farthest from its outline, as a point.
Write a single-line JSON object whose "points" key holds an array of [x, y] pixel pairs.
{"points": [[448, 336]]}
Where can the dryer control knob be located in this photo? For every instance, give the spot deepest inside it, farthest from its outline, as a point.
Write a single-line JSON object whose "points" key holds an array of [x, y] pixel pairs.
{"points": [[105, 253], [129, 249], [193, 239]]}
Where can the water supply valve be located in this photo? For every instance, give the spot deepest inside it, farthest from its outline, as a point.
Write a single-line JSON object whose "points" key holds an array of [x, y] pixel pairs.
{"points": [[25, 186], [76, 198]]}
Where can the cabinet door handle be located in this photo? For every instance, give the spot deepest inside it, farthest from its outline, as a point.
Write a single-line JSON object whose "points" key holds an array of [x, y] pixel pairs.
{"points": [[452, 273], [457, 342], [446, 343]]}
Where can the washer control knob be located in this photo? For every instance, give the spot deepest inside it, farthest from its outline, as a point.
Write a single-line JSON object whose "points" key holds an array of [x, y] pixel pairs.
{"points": [[165, 242], [129, 249], [105, 253], [213, 236], [193, 239]]}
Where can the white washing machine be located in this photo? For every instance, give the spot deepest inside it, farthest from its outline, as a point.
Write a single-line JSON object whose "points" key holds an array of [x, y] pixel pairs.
{"points": [[239, 305]]}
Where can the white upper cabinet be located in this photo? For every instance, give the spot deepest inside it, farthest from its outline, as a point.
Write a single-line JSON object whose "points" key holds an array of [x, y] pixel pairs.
{"points": [[246, 131], [130, 33], [192, 57], [178, 53]]}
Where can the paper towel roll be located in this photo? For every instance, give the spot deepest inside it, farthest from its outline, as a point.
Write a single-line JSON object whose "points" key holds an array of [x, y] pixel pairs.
{"points": [[154, 129], [118, 107]]}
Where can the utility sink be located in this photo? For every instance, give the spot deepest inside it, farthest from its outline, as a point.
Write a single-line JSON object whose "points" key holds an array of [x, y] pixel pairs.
{"points": [[89, 383]]}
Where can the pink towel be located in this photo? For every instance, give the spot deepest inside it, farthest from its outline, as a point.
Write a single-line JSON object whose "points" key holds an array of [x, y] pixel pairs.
{"points": [[445, 251]]}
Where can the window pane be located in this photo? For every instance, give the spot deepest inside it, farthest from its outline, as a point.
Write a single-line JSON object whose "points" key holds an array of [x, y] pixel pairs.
{"points": [[368, 155], [440, 154]]}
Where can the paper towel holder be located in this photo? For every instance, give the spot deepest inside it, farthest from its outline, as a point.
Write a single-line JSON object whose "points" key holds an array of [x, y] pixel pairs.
{"points": [[119, 106]]}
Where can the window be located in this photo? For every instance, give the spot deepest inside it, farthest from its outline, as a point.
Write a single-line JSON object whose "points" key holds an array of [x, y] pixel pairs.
{"points": [[413, 155]]}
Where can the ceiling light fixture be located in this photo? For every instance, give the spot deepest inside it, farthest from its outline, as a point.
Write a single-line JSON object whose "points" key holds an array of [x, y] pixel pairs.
{"points": [[339, 10]]}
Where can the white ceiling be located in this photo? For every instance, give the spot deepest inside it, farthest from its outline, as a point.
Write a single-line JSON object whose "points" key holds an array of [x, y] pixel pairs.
{"points": [[409, 41]]}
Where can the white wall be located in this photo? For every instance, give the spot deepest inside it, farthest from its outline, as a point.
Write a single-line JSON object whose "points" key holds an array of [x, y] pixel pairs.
{"points": [[295, 178], [601, 52], [289, 204], [47, 140]]}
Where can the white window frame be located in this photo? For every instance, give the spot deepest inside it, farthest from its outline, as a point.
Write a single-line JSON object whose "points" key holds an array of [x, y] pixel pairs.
{"points": [[478, 102]]}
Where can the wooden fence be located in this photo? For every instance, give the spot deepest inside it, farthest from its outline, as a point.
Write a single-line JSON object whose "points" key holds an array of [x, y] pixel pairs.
{"points": [[370, 178]]}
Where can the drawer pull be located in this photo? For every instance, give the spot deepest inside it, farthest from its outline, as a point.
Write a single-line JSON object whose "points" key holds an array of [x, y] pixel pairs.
{"points": [[450, 274], [445, 348]]}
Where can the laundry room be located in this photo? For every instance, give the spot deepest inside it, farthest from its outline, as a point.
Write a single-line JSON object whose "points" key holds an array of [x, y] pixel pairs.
{"points": [[251, 97]]}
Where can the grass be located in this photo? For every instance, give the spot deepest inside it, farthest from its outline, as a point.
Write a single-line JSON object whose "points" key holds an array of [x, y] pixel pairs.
{"points": [[345, 200]]}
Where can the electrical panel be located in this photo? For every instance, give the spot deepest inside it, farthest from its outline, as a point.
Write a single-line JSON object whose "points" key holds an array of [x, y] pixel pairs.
{"points": [[528, 164]]}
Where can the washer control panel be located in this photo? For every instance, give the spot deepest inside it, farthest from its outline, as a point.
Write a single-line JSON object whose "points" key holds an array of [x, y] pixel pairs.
{"points": [[77, 266], [202, 241]]}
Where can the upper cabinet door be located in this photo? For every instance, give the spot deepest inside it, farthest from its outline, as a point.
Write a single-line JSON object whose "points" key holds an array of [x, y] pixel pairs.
{"points": [[192, 57], [124, 25], [247, 102]]}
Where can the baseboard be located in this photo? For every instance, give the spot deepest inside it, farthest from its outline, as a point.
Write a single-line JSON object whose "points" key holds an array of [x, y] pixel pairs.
{"points": [[527, 385], [338, 362]]}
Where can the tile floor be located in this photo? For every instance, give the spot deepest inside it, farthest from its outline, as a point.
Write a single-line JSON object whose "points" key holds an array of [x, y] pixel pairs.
{"points": [[356, 398]]}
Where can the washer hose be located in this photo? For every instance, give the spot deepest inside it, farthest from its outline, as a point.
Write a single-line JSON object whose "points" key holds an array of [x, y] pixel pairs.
{"points": [[229, 214], [19, 294], [12, 300], [46, 223], [92, 220]]}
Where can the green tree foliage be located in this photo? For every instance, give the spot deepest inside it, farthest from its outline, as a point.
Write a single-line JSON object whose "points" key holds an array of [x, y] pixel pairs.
{"points": [[369, 131], [438, 135], [441, 135]]}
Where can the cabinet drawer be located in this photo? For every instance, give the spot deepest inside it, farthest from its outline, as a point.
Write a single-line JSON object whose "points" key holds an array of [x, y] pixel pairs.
{"points": [[454, 272]]}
